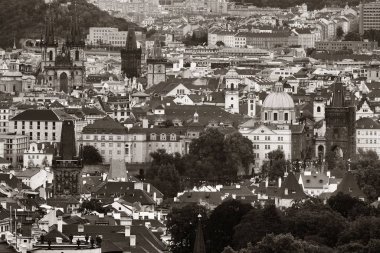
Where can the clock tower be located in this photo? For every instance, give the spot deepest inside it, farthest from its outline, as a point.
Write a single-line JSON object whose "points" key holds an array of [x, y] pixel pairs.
{"points": [[156, 65]]}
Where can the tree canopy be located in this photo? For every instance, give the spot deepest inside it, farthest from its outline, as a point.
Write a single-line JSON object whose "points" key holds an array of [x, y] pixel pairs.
{"points": [[91, 155]]}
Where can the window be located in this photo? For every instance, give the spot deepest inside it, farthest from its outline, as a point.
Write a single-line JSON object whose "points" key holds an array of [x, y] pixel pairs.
{"points": [[163, 137], [318, 109], [102, 144], [38, 125], [126, 149], [110, 145], [173, 137], [102, 138], [110, 138], [280, 138], [281, 147], [153, 137], [54, 137], [267, 138], [46, 125], [266, 116], [286, 116], [267, 146], [275, 116]]}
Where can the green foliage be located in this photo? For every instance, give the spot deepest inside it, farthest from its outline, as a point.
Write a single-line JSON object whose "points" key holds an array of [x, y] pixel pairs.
{"points": [[256, 224], [91, 155], [362, 230], [88, 206], [220, 43], [275, 166], [217, 158], [352, 36], [339, 32], [181, 224], [350, 207], [286, 243], [223, 219], [26, 19], [163, 173], [316, 222], [367, 173]]}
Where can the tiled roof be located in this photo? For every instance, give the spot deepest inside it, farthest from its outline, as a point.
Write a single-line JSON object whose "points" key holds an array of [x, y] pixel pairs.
{"points": [[367, 123], [314, 181], [35, 114], [105, 126]]}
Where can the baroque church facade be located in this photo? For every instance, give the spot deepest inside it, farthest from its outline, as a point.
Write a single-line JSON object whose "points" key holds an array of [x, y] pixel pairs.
{"points": [[62, 67]]}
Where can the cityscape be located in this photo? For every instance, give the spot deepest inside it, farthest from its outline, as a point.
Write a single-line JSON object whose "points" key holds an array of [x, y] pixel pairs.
{"points": [[189, 126]]}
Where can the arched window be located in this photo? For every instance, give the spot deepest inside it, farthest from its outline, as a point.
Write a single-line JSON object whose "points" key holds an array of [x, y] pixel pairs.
{"points": [[127, 149], [275, 116], [318, 109], [232, 86], [266, 116], [50, 55]]}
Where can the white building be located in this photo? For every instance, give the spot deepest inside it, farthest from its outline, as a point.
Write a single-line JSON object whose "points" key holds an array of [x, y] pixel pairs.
{"points": [[110, 36], [267, 138], [367, 135]]}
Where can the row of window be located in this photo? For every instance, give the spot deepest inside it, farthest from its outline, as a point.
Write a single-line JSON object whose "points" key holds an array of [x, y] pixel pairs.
{"points": [[366, 141], [367, 133], [36, 124], [103, 137], [267, 138], [163, 137]]}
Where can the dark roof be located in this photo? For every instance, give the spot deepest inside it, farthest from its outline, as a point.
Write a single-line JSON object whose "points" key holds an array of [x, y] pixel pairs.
{"points": [[105, 126], [35, 114], [291, 189], [349, 186], [367, 123]]}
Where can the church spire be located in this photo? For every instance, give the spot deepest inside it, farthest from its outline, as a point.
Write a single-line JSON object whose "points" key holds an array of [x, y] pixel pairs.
{"points": [[75, 32], [199, 244], [49, 29], [157, 52], [131, 43]]}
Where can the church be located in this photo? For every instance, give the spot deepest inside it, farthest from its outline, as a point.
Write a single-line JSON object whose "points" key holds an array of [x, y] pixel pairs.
{"points": [[62, 67]]}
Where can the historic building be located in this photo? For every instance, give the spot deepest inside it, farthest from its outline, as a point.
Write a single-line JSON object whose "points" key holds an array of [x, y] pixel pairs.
{"points": [[278, 107], [67, 166], [63, 68], [340, 123], [131, 57], [156, 65]]}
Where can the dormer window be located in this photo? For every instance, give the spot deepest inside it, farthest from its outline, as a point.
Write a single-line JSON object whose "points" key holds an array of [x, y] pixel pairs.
{"points": [[153, 136], [173, 137], [163, 137]]}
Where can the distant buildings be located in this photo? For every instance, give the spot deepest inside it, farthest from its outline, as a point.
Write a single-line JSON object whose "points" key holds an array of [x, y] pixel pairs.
{"points": [[110, 36], [369, 13], [346, 45]]}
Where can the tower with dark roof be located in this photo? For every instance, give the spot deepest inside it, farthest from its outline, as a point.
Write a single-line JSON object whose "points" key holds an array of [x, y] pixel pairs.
{"points": [[48, 43], [156, 65], [131, 56], [67, 166], [340, 117]]}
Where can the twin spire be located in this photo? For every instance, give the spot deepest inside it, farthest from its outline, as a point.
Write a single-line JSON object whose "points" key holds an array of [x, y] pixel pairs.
{"points": [[75, 37]]}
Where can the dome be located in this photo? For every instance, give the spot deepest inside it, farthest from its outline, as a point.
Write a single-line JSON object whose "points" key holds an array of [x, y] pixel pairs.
{"points": [[279, 101]]}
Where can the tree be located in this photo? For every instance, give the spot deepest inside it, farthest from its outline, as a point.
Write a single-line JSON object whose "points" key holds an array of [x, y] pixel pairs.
{"points": [[352, 36], [163, 172], [362, 230], [181, 224], [93, 205], [367, 173], [350, 207], [223, 219], [275, 166], [220, 43], [313, 221], [256, 224], [91, 155], [339, 32], [286, 243], [217, 158]]}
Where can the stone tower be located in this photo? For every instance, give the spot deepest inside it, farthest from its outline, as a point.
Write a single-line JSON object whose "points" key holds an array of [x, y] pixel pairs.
{"points": [[67, 166], [131, 56], [340, 123], [231, 96], [251, 105], [156, 65]]}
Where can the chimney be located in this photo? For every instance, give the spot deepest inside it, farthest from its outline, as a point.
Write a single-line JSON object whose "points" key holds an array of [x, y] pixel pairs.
{"points": [[286, 191], [127, 231], [148, 187], [234, 196], [279, 182], [132, 240], [154, 196], [328, 174], [59, 223], [58, 240], [145, 123], [266, 182], [101, 215], [80, 228]]}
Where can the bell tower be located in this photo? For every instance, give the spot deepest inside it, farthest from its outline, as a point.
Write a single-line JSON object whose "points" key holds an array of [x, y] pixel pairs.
{"points": [[251, 104], [156, 65], [48, 43]]}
